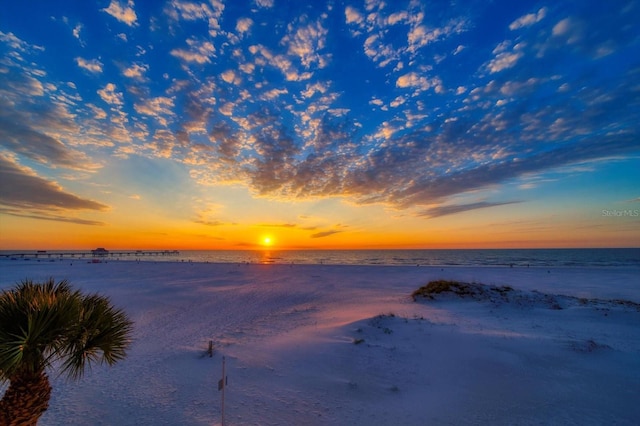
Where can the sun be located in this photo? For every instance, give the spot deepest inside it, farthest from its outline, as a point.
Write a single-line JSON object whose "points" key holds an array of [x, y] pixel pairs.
{"points": [[267, 240]]}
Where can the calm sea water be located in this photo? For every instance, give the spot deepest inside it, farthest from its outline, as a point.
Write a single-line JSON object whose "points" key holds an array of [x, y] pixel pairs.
{"points": [[554, 257], [501, 257]]}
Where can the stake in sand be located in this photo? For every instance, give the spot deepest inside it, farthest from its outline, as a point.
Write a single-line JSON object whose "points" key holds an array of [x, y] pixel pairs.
{"points": [[222, 384]]}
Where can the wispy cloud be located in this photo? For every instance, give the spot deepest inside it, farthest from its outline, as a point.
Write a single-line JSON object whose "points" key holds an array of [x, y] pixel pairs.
{"points": [[324, 234], [122, 12], [23, 189], [264, 3], [160, 108], [51, 217], [278, 225], [110, 95], [199, 52], [136, 71], [379, 22], [213, 223], [40, 147], [77, 34], [243, 25], [418, 82], [212, 12], [306, 42], [506, 56], [18, 45], [353, 16], [91, 65], [529, 19], [460, 208]]}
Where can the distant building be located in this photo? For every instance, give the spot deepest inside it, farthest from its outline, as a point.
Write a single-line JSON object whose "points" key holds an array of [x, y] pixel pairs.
{"points": [[100, 251]]}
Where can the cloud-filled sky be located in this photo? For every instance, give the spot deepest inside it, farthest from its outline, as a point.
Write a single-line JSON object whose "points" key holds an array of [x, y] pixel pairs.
{"points": [[337, 124]]}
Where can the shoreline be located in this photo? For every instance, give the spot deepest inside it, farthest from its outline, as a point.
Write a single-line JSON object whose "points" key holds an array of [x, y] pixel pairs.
{"points": [[30, 261]]}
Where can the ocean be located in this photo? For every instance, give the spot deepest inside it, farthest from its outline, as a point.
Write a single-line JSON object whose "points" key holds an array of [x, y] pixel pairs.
{"points": [[599, 257]]}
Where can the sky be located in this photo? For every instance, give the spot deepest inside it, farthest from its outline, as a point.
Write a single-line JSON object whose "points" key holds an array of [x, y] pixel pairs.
{"points": [[319, 125]]}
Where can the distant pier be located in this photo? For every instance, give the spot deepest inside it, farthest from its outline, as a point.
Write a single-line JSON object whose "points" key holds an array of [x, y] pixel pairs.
{"points": [[89, 253]]}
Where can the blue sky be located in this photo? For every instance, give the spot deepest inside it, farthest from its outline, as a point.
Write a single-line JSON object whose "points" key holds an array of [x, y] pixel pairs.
{"points": [[326, 124]]}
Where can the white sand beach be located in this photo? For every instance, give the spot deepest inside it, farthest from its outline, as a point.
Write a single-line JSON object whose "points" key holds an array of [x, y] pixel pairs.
{"points": [[347, 345]]}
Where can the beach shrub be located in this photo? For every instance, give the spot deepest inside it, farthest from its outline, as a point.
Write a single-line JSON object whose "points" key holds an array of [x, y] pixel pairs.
{"points": [[47, 325], [440, 286], [461, 289]]}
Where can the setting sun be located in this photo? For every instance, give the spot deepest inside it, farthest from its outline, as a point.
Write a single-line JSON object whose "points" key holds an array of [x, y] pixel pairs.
{"points": [[267, 241]]}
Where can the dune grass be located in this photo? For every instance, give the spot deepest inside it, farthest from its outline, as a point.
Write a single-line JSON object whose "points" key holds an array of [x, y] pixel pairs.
{"points": [[456, 287]]}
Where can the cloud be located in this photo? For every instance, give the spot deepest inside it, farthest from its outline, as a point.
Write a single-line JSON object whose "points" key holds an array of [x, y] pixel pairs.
{"points": [[22, 189], [504, 59], [17, 135], [325, 234], [109, 95], [37, 115], [469, 151], [459, 49], [123, 13], [528, 19], [200, 51], [230, 77], [264, 3], [243, 25], [76, 33], [419, 82], [313, 88], [17, 44], [420, 36], [306, 42], [184, 10], [398, 17], [280, 62], [382, 27], [91, 65], [191, 11], [353, 16], [156, 107], [562, 27], [425, 188], [51, 217], [210, 222], [460, 208], [98, 113], [136, 71], [278, 225], [274, 93]]}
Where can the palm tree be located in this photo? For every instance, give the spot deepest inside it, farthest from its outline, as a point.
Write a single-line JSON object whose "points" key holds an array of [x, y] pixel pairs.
{"points": [[50, 325]]}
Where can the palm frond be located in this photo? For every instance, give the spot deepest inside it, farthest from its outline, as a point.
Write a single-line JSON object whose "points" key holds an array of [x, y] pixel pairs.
{"points": [[101, 336], [41, 323]]}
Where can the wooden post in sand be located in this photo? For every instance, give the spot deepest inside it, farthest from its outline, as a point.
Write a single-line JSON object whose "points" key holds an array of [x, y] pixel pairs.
{"points": [[222, 383]]}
